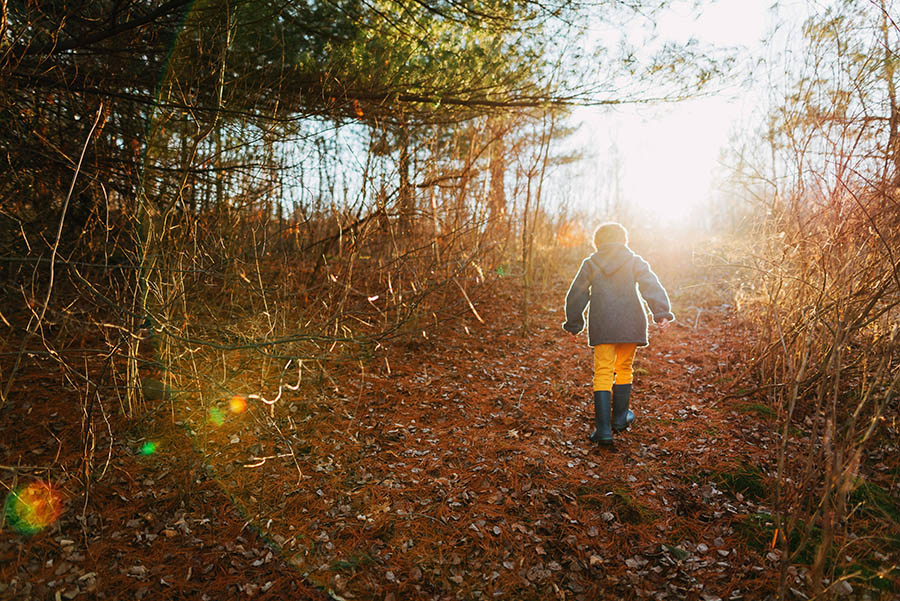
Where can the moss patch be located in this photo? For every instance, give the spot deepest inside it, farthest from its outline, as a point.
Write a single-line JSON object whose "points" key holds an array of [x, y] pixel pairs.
{"points": [[619, 501], [631, 511], [350, 564], [745, 479], [757, 408], [757, 530]]}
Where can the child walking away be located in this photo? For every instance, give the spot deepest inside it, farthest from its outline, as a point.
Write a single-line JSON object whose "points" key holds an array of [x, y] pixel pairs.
{"points": [[617, 323]]}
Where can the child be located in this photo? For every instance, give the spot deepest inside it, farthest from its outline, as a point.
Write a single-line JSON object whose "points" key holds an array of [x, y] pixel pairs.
{"points": [[617, 322]]}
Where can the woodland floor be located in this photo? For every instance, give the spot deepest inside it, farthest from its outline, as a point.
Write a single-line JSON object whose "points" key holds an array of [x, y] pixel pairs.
{"points": [[462, 470]]}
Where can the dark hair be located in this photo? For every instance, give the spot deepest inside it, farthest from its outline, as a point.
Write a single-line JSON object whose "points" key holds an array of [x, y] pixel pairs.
{"points": [[611, 232]]}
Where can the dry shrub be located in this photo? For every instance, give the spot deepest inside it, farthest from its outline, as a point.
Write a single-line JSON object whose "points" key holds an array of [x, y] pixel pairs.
{"points": [[825, 298]]}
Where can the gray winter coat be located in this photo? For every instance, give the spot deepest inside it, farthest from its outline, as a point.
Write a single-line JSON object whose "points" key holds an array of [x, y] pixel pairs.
{"points": [[610, 279]]}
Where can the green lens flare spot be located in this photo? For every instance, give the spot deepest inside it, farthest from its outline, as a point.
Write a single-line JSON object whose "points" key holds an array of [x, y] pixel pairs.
{"points": [[501, 271], [216, 416], [149, 447]]}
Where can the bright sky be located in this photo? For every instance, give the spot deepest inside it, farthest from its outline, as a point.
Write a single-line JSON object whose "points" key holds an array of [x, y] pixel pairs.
{"points": [[670, 153]]}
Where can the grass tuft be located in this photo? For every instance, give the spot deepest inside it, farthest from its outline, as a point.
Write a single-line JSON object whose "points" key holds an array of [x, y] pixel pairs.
{"points": [[874, 501]]}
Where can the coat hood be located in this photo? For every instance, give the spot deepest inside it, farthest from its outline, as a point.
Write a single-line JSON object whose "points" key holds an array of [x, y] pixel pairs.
{"points": [[611, 257]]}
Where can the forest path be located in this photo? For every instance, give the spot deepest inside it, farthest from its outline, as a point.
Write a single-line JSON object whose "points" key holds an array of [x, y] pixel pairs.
{"points": [[455, 466], [494, 471]]}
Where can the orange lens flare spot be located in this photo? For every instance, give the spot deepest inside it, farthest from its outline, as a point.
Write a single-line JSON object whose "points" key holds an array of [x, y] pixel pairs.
{"points": [[237, 404], [32, 508]]}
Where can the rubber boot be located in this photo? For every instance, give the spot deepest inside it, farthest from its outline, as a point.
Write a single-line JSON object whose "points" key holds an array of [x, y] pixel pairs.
{"points": [[622, 417], [602, 432]]}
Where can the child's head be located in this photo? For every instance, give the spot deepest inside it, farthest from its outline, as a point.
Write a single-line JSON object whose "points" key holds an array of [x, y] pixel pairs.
{"points": [[607, 233]]}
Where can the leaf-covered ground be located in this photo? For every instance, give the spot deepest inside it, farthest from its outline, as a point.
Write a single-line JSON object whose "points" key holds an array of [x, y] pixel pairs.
{"points": [[456, 466]]}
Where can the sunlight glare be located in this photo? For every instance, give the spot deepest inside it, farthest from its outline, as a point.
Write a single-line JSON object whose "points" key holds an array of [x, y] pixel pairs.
{"points": [[660, 160], [679, 153]]}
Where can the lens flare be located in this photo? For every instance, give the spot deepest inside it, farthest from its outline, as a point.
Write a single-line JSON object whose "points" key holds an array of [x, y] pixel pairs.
{"points": [[216, 416], [149, 447], [237, 404], [32, 508]]}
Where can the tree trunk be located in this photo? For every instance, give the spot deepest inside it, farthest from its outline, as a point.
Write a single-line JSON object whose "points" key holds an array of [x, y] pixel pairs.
{"points": [[893, 147], [497, 190], [404, 196]]}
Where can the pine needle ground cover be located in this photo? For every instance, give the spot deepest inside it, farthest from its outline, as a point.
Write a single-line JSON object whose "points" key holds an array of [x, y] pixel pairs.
{"points": [[455, 466]]}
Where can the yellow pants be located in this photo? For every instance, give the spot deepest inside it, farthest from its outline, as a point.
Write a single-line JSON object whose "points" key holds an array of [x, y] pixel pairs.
{"points": [[613, 363]]}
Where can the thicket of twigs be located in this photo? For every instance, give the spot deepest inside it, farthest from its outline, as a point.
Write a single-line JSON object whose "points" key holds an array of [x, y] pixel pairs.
{"points": [[198, 195], [290, 181], [823, 289]]}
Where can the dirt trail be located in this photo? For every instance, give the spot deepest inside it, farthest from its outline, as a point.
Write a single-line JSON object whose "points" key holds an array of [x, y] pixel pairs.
{"points": [[493, 467], [458, 466]]}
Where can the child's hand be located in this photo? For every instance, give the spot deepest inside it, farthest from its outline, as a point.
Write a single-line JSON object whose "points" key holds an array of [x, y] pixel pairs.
{"points": [[570, 329], [662, 323]]}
